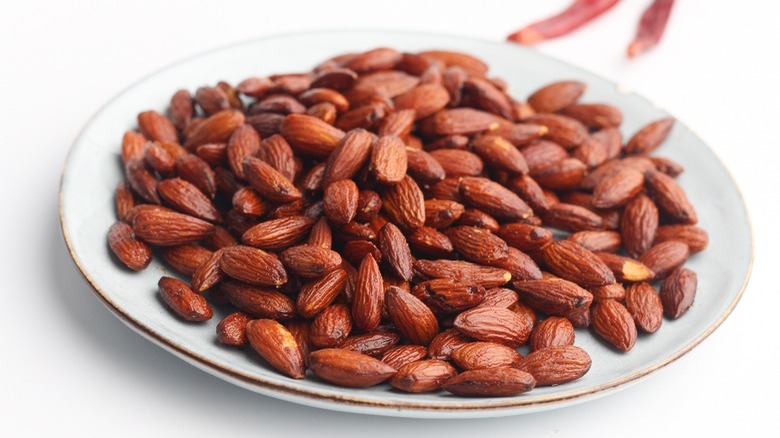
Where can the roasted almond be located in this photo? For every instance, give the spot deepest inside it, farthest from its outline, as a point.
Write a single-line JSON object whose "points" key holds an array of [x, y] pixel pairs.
{"points": [[277, 234], [491, 382], [695, 237], [618, 189], [463, 272], [625, 268], [217, 128], [368, 299], [554, 331], [349, 368], [494, 199], [670, 197], [168, 228], [340, 201], [231, 330], [477, 245], [277, 346], [556, 365], [133, 253], [185, 197], [665, 257], [404, 204], [422, 376], [401, 355], [650, 136], [445, 295], [331, 327], [183, 301], [257, 301], [678, 292], [554, 296], [644, 304], [308, 261], [481, 355], [310, 136], [613, 322], [572, 262], [186, 258], [556, 96], [349, 156], [411, 316], [494, 324], [594, 115], [638, 225], [253, 266], [563, 130], [375, 343]]}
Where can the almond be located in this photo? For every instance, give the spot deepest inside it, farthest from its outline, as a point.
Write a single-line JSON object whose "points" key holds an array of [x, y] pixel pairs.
{"points": [[445, 295], [158, 158], [626, 269], [441, 213], [525, 237], [481, 355], [563, 130], [644, 304], [156, 126], [396, 251], [519, 264], [618, 189], [678, 292], [277, 346], [613, 322], [556, 96], [486, 96], [232, 329], [670, 197], [217, 128], [594, 115], [308, 261], [388, 160], [638, 225], [268, 182], [614, 291], [141, 180], [519, 133], [494, 199], [349, 368], [554, 296], [422, 376], [181, 109], [133, 253], [424, 99], [500, 297], [258, 302], [253, 266], [168, 228], [340, 201], [463, 272], [477, 245], [185, 197], [428, 242], [208, 273], [186, 258], [464, 121], [650, 136], [244, 142], [569, 217], [277, 234], [249, 203], [401, 355], [500, 154], [566, 174], [331, 327], [477, 218], [349, 156], [575, 263], [310, 136], [457, 162], [375, 343], [411, 316], [368, 300], [604, 241], [183, 301], [557, 365], [554, 331], [191, 168], [404, 204], [696, 238], [494, 324], [529, 191], [490, 382], [665, 257]]}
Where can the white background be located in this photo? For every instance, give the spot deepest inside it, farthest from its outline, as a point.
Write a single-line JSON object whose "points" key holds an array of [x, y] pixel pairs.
{"points": [[68, 367]]}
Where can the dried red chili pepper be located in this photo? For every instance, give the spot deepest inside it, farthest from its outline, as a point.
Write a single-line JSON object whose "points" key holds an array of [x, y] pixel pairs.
{"points": [[651, 27], [576, 15]]}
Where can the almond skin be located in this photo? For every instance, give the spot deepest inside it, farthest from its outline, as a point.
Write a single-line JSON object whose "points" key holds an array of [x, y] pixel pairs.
{"points": [[650, 136], [554, 331], [421, 166], [480, 355], [500, 154], [191, 168], [404, 204], [445, 343], [554, 296], [133, 253], [277, 346], [665, 257], [349, 156], [594, 115], [491, 382], [232, 329], [678, 292], [401, 355], [670, 197], [349, 368], [638, 225], [183, 301], [411, 316], [253, 266], [494, 324], [644, 304], [464, 121], [258, 302], [422, 376], [331, 327], [388, 160], [308, 261], [375, 343], [317, 295], [141, 180], [185, 197], [575, 263], [494, 199], [569, 217], [368, 299], [168, 228], [613, 322], [519, 264], [477, 245], [396, 251], [445, 295], [556, 96], [463, 272], [278, 234], [563, 130], [557, 365]]}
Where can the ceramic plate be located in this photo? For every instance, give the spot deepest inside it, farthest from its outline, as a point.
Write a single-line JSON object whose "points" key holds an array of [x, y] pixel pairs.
{"points": [[92, 172]]}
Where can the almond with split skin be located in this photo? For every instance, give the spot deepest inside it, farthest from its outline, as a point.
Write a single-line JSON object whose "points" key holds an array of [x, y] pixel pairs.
{"points": [[277, 346]]}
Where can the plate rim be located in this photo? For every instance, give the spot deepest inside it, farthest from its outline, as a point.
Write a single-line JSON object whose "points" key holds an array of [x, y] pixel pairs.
{"points": [[277, 388]]}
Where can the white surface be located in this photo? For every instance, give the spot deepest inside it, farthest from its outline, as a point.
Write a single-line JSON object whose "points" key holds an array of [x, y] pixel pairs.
{"points": [[71, 367]]}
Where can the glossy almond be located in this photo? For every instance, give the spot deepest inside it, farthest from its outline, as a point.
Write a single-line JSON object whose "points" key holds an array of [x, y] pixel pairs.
{"points": [[606, 241], [411, 316], [269, 182], [613, 322], [500, 154], [638, 225], [192, 168], [133, 253], [425, 100], [401, 355], [477, 245], [340, 201], [644, 304], [217, 128], [388, 160], [494, 199], [185, 197], [278, 234], [670, 197], [395, 251], [277, 346], [594, 115], [570, 217], [231, 330], [563, 130], [404, 204], [422, 376], [491, 382], [665, 257], [556, 365], [525, 237], [186, 258], [257, 301], [349, 368], [650, 136], [331, 327], [464, 121], [253, 266], [494, 324], [678, 292], [375, 343], [183, 301], [554, 331], [310, 136], [349, 156], [308, 261], [480, 355], [168, 228], [618, 189], [464, 272], [156, 126], [572, 262], [428, 242], [208, 273], [368, 299], [318, 294]]}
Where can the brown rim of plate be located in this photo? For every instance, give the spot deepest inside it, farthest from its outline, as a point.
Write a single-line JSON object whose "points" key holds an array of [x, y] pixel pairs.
{"points": [[270, 387]]}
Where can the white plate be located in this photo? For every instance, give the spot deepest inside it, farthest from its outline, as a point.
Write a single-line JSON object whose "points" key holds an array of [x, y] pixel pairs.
{"points": [[92, 172]]}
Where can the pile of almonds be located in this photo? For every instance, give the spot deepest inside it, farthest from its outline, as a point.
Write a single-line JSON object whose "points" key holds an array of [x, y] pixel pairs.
{"points": [[385, 218]]}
